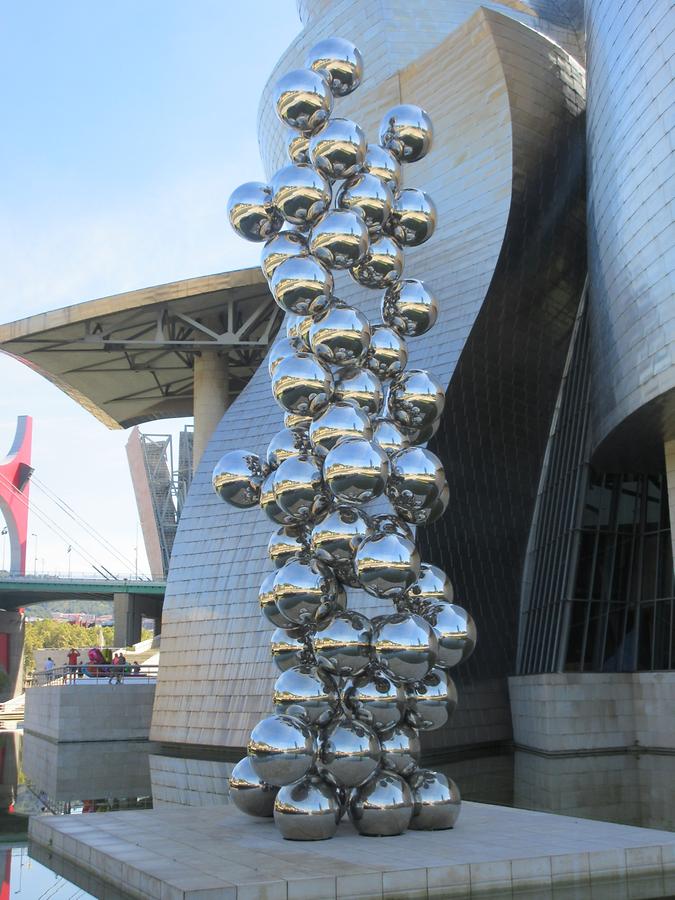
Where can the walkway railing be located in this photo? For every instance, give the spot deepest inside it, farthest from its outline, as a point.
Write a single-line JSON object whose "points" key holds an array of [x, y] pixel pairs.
{"points": [[95, 674]]}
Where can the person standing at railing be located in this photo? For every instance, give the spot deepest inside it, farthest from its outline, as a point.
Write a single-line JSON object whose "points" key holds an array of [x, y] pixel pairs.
{"points": [[115, 670], [49, 669], [73, 656]]}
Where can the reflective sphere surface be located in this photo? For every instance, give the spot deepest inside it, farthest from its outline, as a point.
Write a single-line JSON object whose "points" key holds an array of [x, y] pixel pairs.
{"points": [[237, 478], [389, 436], [268, 605], [344, 645], [415, 399], [297, 329], [433, 584], [407, 131], [370, 197], [383, 806], [339, 239], [268, 502], [302, 285], [401, 750], [297, 147], [308, 810], [300, 194], [382, 264], [387, 354], [376, 700], [302, 385], [281, 749], [356, 470], [340, 62], [338, 421], [359, 386], [431, 701], [455, 630], [416, 482], [304, 591], [387, 564], [336, 538], [281, 349], [405, 646], [285, 443], [413, 218], [341, 336], [409, 307], [339, 149], [286, 646], [252, 213], [383, 165], [298, 487], [436, 801], [350, 752], [308, 688], [286, 542], [250, 794], [303, 99], [280, 248]]}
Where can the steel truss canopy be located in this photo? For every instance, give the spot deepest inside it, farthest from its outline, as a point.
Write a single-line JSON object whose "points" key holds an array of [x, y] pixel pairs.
{"points": [[129, 358]]}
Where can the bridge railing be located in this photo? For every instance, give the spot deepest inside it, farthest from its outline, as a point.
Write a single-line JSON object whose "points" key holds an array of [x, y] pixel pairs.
{"points": [[64, 676]]}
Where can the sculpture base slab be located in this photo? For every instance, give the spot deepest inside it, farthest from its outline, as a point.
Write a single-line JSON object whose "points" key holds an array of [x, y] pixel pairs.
{"points": [[217, 853]]}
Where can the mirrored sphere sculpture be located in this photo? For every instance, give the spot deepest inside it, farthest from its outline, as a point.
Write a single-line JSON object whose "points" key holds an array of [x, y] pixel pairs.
{"points": [[303, 99], [436, 801], [383, 806], [345, 481], [281, 749], [249, 792]]}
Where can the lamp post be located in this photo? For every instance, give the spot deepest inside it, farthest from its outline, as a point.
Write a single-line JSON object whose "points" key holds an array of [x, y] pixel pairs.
{"points": [[68, 551], [33, 534], [4, 533]]}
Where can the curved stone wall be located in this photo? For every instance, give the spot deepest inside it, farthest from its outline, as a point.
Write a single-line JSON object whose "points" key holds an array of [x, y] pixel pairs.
{"points": [[631, 137], [506, 105]]}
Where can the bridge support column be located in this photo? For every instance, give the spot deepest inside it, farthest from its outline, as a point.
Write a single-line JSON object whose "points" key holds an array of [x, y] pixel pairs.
{"points": [[211, 399], [12, 634], [128, 618]]}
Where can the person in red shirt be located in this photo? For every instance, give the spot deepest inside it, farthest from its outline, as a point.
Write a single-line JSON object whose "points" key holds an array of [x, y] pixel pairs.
{"points": [[73, 656]]}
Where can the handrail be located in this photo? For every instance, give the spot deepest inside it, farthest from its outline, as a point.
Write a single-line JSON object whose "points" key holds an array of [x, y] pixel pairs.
{"points": [[91, 673]]}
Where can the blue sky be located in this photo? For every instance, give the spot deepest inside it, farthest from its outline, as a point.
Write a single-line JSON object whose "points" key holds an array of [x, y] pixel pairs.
{"points": [[126, 126]]}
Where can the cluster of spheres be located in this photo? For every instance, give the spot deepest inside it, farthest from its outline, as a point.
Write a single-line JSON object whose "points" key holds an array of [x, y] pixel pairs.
{"points": [[353, 693]]}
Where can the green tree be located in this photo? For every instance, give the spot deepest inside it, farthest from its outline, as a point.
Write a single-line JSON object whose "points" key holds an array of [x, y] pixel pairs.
{"points": [[53, 633]]}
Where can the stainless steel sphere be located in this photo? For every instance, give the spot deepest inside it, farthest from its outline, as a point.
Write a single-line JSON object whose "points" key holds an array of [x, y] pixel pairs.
{"points": [[409, 307], [287, 646], [383, 806], [433, 584], [281, 349], [297, 422], [338, 60], [281, 749], [297, 147], [370, 197], [390, 524], [355, 471], [387, 564], [282, 246], [416, 482], [298, 487], [439, 506], [401, 750], [383, 165], [339, 149], [268, 604], [376, 700], [268, 502], [306, 693], [431, 701], [252, 212], [344, 646], [238, 477], [413, 218], [360, 386], [300, 194], [336, 538], [407, 131], [303, 99], [349, 752], [436, 801], [249, 793], [297, 329], [286, 542], [388, 436], [302, 285], [454, 628], [339, 239], [405, 646], [339, 420], [382, 264], [388, 354], [285, 443], [415, 400], [340, 336], [308, 810], [305, 591], [302, 385]]}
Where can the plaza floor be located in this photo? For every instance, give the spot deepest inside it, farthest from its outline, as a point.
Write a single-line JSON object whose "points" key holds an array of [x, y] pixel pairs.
{"points": [[216, 853]]}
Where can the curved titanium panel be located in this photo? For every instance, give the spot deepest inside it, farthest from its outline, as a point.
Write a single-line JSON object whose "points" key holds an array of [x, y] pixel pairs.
{"points": [[631, 137], [502, 99]]}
